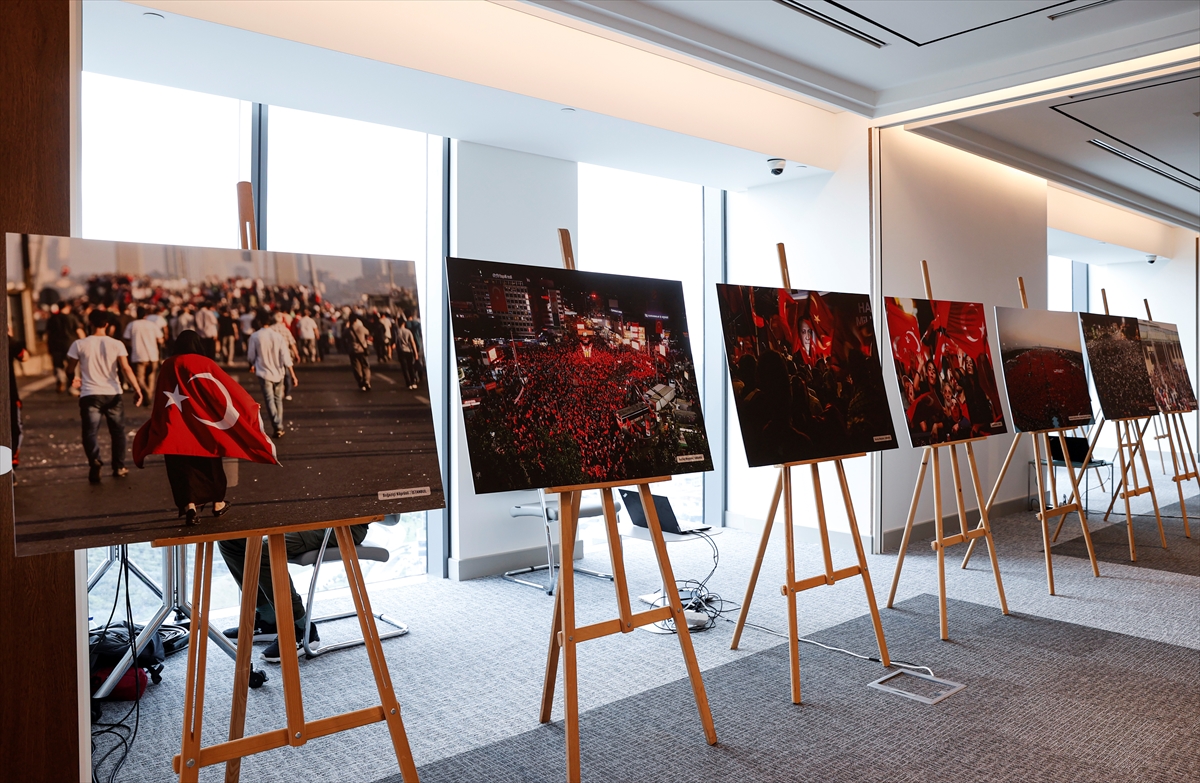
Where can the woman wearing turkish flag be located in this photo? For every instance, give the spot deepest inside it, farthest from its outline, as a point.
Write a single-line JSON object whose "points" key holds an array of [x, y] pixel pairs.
{"points": [[199, 415]]}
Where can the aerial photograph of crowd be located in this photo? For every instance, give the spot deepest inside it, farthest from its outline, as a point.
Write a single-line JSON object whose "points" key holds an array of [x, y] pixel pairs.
{"points": [[1044, 371], [807, 378], [155, 386], [1118, 364], [944, 367], [571, 378]]}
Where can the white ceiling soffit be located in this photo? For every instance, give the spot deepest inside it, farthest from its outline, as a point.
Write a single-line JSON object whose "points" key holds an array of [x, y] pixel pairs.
{"points": [[882, 57], [1092, 251], [478, 43], [1136, 144]]}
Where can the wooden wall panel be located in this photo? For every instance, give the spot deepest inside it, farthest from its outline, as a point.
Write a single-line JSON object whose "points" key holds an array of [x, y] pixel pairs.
{"points": [[38, 718]]}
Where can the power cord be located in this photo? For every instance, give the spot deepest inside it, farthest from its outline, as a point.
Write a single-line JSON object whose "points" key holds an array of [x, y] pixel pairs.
{"points": [[699, 597], [124, 734]]}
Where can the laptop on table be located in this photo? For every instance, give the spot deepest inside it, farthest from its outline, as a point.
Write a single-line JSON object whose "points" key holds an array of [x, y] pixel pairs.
{"points": [[666, 515]]}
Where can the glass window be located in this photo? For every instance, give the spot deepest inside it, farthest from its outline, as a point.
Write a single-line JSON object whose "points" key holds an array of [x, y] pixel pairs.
{"points": [[1059, 284], [160, 164], [350, 188], [636, 224]]}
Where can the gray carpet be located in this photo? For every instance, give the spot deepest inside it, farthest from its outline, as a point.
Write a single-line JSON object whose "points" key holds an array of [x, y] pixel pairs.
{"points": [[1182, 555], [1045, 701]]}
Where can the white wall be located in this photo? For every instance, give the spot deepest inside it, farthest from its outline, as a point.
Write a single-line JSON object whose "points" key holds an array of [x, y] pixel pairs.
{"points": [[823, 222], [980, 225], [505, 206]]}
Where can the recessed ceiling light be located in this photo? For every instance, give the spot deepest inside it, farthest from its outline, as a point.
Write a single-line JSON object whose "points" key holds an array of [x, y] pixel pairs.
{"points": [[152, 15], [1077, 9]]}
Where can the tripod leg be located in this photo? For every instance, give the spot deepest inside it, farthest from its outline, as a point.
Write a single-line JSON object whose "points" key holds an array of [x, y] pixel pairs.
{"points": [[790, 588], [1087, 535], [908, 526], [939, 543], [245, 650], [862, 564], [758, 560], [568, 508], [193, 699], [1012, 449], [1037, 456], [985, 520]]}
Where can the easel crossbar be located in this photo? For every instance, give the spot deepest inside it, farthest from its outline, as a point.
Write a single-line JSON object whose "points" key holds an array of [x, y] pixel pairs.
{"points": [[609, 627], [957, 538], [270, 740], [822, 579]]}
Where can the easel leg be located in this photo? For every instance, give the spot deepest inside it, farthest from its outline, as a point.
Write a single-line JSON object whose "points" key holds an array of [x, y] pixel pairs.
{"points": [[245, 651], [1190, 457], [1171, 438], [551, 678], [681, 626], [1150, 485], [939, 543], [1185, 455], [285, 621], [566, 598], [1037, 457], [789, 589], [758, 560], [862, 563], [908, 526], [383, 680], [1012, 449], [193, 698], [1087, 535], [985, 517], [1124, 491]]}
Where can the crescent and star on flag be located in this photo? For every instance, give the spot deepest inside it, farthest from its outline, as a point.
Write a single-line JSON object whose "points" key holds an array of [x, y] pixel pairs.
{"points": [[230, 418]]}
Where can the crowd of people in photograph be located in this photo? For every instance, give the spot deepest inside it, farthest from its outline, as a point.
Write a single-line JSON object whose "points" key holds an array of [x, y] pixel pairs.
{"points": [[549, 412], [950, 401], [1118, 364], [116, 335]]}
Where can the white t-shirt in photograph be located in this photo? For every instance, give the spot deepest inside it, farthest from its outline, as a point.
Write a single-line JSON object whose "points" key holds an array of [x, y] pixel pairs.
{"points": [[143, 338], [99, 363], [308, 328]]}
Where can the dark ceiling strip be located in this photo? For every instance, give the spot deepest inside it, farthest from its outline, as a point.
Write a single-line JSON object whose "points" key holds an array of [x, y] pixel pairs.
{"points": [[841, 27], [1069, 11], [1142, 163], [944, 37], [1057, 108]]}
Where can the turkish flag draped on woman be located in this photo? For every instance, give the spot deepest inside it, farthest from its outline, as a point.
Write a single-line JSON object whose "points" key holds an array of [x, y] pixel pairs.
{"points": [[200, 411]]}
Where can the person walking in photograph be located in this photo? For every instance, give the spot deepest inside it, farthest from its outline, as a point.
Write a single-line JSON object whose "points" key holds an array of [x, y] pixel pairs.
{"points": [[307, 329], [270, 361], [358, 344], [409, 354], [102, 362], [145, 338], [62, 329], [213, 417]]}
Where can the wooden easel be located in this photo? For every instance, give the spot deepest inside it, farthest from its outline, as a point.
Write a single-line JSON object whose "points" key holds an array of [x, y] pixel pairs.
{"points": [[1130, 446], [298, 731], [783, 486], [941, 541], [1041, 446], [566, 635], [193, 755], [1175, 432]]}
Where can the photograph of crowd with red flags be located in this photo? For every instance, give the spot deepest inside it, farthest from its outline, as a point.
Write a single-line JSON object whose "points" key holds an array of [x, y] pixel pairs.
{"points": [[168, 389], [571, 377], [1118, 364], [1167, 368], [1044, 372], [944, 366], [807, 378]]}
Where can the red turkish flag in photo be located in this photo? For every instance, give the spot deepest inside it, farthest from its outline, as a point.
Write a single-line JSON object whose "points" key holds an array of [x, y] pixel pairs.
{"points": [[200, 411]]}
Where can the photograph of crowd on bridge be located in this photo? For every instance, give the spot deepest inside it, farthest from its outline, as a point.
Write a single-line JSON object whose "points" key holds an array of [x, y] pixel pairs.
{"points": [[571, 378], [944, 366], [807, 379], [1167, 368], [160, 390], [1118, 365], [1044, 371]]}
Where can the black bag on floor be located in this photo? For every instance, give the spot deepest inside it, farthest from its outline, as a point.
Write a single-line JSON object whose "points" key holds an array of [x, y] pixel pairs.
{"points": [[106, 647]]}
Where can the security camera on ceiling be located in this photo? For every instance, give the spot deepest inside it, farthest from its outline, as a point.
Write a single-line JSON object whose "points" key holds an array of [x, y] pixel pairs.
{"points": [[1150, 258], [776, 165]]}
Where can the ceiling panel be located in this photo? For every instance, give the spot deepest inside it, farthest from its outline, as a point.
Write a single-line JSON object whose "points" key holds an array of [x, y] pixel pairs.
{"points": [[1161, 121], [922, 22]]}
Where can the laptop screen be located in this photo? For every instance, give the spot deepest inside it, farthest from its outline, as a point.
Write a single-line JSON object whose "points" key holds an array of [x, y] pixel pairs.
{"points": [[662, 505]]}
